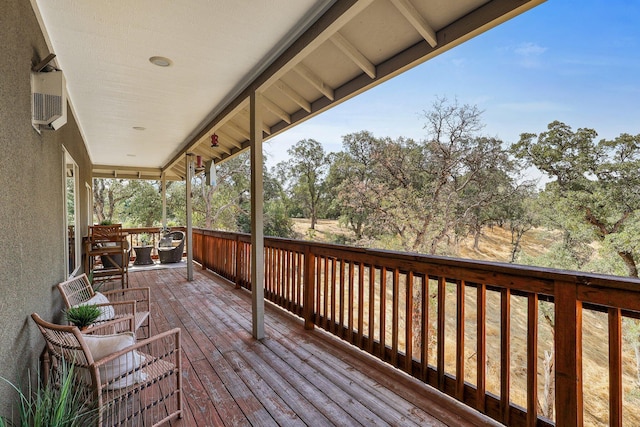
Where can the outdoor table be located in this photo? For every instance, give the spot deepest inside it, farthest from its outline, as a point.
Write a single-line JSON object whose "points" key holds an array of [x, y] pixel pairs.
{"points": [[143, 255]]}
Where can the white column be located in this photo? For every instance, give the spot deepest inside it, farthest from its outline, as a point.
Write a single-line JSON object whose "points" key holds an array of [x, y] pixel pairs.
{"points": [[189, 166], [164, 200], [257, 220]]}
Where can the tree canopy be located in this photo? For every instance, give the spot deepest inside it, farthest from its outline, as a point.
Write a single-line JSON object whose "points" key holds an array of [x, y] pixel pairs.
{"points": [[426, 195], [595, 187]]}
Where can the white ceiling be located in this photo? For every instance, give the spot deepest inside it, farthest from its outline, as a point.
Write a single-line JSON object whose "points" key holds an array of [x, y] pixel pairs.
{"points": [[304, 56], [103, 47]]}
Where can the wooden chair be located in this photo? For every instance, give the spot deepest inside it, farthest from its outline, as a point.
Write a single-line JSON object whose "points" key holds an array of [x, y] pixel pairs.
{"points": [[110, 244], [128, 382], [119, 302]]}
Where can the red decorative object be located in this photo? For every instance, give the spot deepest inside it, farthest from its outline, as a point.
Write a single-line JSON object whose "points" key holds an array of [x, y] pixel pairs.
{"points": [[214, 140], [198, 162]]}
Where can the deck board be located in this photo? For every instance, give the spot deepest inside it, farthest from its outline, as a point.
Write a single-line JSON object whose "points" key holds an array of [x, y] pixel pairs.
{"points": [[293, 377]]}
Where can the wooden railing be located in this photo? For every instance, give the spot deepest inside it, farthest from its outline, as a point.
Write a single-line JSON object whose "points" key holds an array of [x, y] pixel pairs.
{"points": [[489, 334], [153, 234]]}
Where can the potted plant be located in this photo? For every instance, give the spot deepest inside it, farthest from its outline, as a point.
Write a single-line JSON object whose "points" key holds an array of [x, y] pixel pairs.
{"points": [[145, 239], [83, 316]]}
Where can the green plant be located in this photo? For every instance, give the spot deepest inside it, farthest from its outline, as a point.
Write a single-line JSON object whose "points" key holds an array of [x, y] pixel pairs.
{"points": [[57, 404], [145, 239], [106, 222], [83, 315]]}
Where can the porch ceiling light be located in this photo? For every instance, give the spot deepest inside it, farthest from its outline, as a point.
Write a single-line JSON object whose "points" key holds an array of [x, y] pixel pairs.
{"points": [[160, 61]]}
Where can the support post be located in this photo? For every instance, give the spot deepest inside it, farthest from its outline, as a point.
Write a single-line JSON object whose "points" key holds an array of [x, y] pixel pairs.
{"points": [[308, 291], [189, 167], [568, 353], [257, 219], [164, 201], [239, 266]]}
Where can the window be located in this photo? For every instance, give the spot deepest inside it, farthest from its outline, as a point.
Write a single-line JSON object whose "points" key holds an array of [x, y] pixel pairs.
{"points": [[73, 236]]}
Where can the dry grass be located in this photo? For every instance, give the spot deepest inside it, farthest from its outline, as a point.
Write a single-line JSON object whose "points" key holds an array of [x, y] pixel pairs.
{"points": [[495, 245]]}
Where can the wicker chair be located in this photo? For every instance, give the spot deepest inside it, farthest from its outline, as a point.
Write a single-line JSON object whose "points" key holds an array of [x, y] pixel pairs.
{"points": [[118, 302], [171, 247], [128, 383]]}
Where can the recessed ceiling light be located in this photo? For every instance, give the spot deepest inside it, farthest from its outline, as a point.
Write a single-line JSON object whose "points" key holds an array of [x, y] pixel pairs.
{"points": [[160, 61], [139, 127]]}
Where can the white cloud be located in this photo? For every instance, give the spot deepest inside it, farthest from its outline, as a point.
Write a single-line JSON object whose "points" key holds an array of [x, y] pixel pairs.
{"points": [[530, 49], [530, 54]]}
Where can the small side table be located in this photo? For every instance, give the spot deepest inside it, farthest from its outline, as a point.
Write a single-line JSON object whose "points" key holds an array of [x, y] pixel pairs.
{"points": [[143, 255]]}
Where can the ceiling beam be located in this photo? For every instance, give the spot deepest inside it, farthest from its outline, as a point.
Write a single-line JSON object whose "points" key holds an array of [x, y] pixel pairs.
{"points": [[221, 148], [239, 130], [354, 55], [331, 21], [341, 13], [125, 172], [245, 115], [293, 95], [275, 109], [412, 15], [211, 152], [206, 132], [489, 15], [474, 23], [228, 138], [311, 77], [136, 169]]}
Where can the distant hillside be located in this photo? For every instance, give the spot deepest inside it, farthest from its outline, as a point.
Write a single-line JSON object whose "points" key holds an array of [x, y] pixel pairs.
{"points": [[495, 244]]}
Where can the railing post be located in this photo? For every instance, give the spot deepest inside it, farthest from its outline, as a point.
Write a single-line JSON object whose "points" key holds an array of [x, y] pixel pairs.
{"points": [[239, 268], [308, 289], [203, 249], [568, 355]]}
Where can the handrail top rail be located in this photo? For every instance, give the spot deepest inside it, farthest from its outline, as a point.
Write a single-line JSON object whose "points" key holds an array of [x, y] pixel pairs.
{"points": [[494, 267]]}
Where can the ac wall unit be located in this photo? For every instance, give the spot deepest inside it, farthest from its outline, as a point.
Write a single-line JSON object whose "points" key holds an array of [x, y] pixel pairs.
{"points": [[48, 100]]}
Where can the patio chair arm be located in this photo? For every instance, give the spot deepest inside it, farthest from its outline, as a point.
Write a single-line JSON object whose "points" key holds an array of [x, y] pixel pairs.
{"points": [[117, 325], [122, 308], [140, 295]]}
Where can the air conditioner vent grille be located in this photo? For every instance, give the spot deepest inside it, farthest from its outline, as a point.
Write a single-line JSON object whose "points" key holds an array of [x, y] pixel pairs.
{"points": [[48, 100], [46, 107]]}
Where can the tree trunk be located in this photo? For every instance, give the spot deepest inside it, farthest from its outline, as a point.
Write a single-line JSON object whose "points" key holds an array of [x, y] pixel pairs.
{"points": [[636, 348], [357, 228], [516, 239], [476, 239], [628, 260], [545, 407]]}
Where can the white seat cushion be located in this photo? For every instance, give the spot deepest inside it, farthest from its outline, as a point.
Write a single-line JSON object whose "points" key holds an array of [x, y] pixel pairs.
{"points": [[124, 366], [108, 312]]}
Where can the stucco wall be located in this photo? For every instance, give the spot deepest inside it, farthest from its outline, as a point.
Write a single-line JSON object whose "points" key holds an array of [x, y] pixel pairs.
{"points": [[32, 215]]}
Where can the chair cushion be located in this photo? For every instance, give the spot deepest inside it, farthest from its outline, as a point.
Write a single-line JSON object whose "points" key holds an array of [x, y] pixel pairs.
{"points": [[122, 371], [108, 312], [165, 242]]}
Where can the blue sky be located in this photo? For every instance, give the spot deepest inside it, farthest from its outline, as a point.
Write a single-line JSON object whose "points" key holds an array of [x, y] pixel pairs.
{"points": [[568, 60]]}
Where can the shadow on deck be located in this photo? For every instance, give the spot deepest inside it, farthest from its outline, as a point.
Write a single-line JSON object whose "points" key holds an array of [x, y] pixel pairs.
{"points": [[292, 377]]}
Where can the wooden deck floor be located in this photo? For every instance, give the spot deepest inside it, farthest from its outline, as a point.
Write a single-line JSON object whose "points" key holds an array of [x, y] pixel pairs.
{"points": [[291, 378]]}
